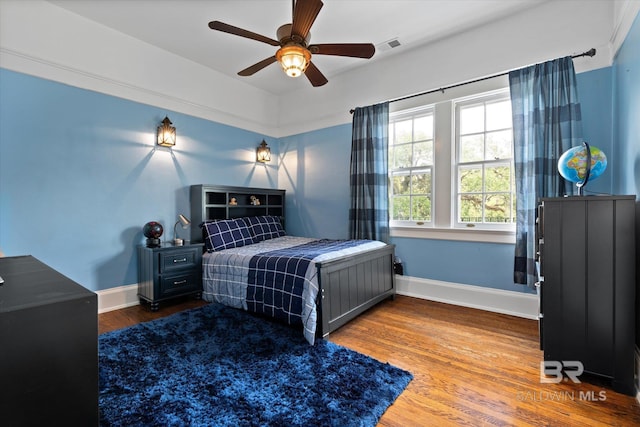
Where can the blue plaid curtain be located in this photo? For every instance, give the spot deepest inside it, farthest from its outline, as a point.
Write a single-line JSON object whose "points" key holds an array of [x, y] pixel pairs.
{"points": [[369, 211], [546, 122]]}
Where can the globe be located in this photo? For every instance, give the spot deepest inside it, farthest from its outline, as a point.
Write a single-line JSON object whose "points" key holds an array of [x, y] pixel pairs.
{"points": [[152, 231], [572, 165]]}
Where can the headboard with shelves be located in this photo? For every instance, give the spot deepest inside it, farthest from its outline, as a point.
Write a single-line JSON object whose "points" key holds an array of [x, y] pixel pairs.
{"points": [[211, 202]]}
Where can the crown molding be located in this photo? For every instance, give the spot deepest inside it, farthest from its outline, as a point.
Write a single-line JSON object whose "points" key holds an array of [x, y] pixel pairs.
{"points": [[39, 67], [623, 20]]}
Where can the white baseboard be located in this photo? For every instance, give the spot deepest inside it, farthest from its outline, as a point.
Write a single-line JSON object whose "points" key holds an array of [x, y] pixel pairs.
{"points": [[495, 300], [489, 299], [116, 298]]}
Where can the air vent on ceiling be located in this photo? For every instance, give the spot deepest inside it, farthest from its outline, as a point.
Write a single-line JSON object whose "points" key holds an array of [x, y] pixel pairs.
{"points": [[388, 45], [393, 43]]}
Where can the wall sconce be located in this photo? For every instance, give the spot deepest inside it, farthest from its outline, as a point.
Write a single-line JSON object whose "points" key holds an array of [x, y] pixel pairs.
{"points": [[263, 153], [166, 133], [185, 224]]}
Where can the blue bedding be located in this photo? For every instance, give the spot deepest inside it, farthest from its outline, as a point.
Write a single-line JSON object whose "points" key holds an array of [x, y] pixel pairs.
{"points": [[277, 277]]}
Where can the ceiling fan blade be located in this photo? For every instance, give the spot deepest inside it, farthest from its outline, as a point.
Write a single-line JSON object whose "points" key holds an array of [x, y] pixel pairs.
{"points": [[304, 14], [355, 50], [226, 28], [315, 76], [249, 71]]}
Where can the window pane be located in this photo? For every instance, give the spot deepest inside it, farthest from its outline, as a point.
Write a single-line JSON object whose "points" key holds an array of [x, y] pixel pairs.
{"points": [[400, 209], [400, 184], [421, 183], [423, 153], [411, 157], [403, 132], [497, 178], [470, 179], [499, 115], [471, 119], [472, 148], [423, 128], [470, 208], [421, 208], [499, 145], [497, 208], [401, 156]]}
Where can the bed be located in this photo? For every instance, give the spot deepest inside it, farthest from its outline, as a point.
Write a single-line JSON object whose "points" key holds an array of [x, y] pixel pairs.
{"points": [[252, 264]]}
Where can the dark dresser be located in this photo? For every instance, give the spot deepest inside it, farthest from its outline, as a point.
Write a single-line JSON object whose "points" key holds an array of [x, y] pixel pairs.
{"points": [[48, 347], [587, 258]]}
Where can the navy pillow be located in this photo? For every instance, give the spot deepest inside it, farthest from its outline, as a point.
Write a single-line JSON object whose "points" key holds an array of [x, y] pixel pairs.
{"points": [[264, 227], [225, 234]]}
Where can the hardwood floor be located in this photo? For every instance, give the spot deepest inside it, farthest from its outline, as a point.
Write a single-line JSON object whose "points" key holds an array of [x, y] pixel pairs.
{"points": [[470, 367]]}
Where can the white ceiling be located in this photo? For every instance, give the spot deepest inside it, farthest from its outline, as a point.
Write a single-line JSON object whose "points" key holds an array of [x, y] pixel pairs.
{"points": [[180, 27]]}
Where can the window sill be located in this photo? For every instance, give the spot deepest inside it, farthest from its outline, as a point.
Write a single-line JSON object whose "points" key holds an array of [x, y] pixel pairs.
{"points": [[466, 235]]}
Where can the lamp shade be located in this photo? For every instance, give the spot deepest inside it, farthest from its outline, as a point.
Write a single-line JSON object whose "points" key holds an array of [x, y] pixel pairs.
{"points": [[166, 133], [294, 59]]}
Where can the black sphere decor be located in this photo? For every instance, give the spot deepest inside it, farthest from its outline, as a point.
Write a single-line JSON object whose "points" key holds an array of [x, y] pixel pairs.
{"points": [[152, 231]]}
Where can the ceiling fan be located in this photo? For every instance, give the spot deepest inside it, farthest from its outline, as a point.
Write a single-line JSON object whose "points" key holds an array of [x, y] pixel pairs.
{"points": [[293, 39]]}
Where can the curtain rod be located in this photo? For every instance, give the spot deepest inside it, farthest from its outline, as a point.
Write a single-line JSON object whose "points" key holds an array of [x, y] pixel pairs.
{"points": [[591, 52]]}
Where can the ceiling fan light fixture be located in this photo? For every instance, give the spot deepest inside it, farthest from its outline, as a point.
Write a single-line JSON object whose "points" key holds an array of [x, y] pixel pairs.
{"points": [[294, 59]]}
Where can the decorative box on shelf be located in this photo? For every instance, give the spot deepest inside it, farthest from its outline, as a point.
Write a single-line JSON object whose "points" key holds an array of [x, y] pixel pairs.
{"points": [[169, 271]]}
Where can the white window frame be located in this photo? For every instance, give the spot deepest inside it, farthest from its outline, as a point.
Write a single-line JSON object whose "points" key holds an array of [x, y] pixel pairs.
{"points": [[444, 187], [412, 114], [483, 98]]}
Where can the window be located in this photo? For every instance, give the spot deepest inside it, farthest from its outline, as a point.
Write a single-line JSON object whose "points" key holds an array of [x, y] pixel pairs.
{"points": [[484, 162], [451, 173], [411, 166]]}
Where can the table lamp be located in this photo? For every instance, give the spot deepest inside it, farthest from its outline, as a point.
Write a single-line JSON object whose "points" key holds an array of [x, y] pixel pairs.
{"points": [[184, 222]]}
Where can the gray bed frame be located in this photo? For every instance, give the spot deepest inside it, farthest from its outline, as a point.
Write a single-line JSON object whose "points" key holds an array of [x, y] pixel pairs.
{"points": [[349, 285], [353, 284]]}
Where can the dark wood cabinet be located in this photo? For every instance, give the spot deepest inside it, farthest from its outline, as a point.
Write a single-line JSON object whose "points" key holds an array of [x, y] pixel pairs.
{"points": [[169, 271], [48, 347], [587, 266], [210, 202]]}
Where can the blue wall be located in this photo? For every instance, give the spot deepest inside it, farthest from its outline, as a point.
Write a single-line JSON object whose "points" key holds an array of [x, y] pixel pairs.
{"points": [[596, 99], [626, 70], [315, 173], [80, 174]]}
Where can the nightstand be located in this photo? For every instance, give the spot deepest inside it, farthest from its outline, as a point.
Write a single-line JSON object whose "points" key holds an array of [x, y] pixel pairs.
{"points": [[169, 271]]}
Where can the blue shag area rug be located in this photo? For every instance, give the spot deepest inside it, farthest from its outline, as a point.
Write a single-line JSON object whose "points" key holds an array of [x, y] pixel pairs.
{"points": [[219, 366]]}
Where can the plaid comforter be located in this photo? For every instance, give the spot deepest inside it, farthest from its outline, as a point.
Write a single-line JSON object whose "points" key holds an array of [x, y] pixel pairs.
{"points": [[277, 278]]}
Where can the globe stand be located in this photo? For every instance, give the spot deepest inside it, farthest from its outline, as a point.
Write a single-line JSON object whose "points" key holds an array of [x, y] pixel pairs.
{"points": [[153, 243], [587, 171]]}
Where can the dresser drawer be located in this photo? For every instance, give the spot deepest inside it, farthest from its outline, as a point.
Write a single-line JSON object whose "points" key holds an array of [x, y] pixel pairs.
{"points": [[179, 283], [173, 260]]}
